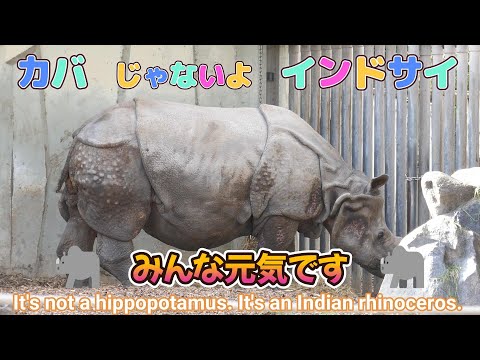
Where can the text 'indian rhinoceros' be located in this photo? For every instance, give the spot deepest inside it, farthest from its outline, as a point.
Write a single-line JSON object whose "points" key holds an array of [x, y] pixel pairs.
{"points": [[194, 176]]}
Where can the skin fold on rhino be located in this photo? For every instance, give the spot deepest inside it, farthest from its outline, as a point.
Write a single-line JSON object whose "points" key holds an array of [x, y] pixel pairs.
{"points": [[194, 176]]}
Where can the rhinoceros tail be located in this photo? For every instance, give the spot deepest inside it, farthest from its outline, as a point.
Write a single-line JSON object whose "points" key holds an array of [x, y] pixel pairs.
{"points": [[64, 175]]}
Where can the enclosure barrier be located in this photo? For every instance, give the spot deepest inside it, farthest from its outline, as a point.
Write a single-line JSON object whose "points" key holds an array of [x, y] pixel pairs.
{"points": [[403, 133]]}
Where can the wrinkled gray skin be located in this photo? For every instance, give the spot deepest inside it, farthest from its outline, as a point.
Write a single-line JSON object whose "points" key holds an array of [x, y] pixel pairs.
{"points": [[195, 176]]}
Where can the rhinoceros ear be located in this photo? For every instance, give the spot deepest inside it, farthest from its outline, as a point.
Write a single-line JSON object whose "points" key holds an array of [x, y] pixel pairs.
{"points": [[377, 182]]}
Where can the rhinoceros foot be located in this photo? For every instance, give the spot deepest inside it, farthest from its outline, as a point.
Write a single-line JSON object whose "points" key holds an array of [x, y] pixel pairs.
{"points": [[115, 257]]}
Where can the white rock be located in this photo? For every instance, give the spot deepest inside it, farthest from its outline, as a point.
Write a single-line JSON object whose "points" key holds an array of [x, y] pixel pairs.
{"points": [[444, 193], [450, 253], [469, 176]]}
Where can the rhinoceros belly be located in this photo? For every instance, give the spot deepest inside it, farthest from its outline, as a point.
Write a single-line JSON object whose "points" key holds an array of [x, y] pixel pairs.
{"points": [[200, 162]]}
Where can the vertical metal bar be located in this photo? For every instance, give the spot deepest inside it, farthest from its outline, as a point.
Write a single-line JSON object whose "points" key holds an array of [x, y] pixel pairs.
{"points": [[379, 136], [346, 139], [335, 111], [461, 108], [283, 84], [272, 67], [325, 130], [293, 94], [401, 157], [357, 111], [379, 121], [367, 280], [325, 98], [316, 51], [305, 94], [368, 119], [412, 146], [390, 142], [449, 116], [424, 130], [473, 113], [357, 150], [436, 124]]}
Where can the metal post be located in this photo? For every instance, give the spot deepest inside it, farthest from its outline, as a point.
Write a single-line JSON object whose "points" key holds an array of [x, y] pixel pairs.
{"points": [[401, 157], [461, 108], [379, 137], [293, 94], [412, 147], [473, 113], [346, 140], [357, 151], [436, 124], [367, 278], [424, 130], [336, 100], [449, 116]]}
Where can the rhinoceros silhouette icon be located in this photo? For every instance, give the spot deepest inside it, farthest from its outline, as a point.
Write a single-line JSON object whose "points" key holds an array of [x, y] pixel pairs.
{"points": [[80, 265], [404, 265]]}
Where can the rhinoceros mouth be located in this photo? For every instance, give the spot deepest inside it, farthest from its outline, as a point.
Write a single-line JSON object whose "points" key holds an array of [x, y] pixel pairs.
{"points": [[374, 267]]}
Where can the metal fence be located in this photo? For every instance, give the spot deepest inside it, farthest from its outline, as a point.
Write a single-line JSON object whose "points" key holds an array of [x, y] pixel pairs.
{"points": [[403, 133]]}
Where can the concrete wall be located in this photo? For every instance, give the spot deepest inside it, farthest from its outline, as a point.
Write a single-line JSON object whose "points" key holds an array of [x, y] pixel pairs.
{"points": [[36, 128]]}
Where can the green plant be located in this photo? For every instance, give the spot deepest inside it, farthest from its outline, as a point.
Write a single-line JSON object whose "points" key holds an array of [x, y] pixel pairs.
{"points": [[449, 281]]}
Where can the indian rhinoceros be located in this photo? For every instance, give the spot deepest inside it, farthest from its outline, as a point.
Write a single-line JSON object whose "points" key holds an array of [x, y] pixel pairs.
{"points": [[194, 176]]}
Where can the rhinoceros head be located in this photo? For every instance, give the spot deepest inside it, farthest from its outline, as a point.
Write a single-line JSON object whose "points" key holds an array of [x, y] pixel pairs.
{"points": [[357, 225]]}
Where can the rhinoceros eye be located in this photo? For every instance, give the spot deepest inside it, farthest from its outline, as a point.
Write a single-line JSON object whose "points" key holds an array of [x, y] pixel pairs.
{"points": [[380, 235]]}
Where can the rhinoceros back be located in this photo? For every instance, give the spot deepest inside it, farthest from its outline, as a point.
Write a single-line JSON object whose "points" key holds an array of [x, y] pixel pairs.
{"points": [[112, 128], [200, 162]]}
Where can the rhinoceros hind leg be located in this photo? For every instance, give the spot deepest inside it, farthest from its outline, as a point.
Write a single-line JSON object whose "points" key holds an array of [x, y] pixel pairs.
{"points": [[114, 257], [278, 233], [77, 232]]}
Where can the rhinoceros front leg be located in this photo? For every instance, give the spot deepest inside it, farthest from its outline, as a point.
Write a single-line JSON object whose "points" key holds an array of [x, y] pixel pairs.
{"points": [[278, 233], [114, 256]]}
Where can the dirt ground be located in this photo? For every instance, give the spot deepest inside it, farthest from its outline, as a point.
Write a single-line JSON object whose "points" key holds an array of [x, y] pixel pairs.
{"points": [[20, 284]]}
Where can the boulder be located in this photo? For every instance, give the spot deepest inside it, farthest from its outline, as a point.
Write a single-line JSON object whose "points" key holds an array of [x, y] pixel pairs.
{"points": [[444, 193], [450, 246], [468, 215], [469, 176]]}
